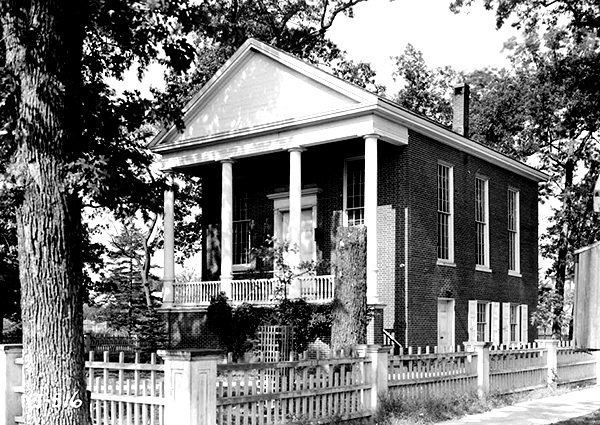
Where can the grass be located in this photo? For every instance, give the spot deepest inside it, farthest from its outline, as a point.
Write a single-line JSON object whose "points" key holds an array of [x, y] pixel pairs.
{"points": [[431, 409]]}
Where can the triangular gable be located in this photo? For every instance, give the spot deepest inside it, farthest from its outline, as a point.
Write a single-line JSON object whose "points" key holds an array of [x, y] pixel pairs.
{"points": [[258, 87]]}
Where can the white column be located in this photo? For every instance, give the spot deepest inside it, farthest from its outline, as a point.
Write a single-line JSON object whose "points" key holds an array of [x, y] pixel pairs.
{"points": [[226, 226], [371, 215], [169, 249], [295, 213]]}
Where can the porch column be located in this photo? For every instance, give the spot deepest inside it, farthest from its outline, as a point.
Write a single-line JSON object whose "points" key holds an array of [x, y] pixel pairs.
{"points": [[226, 226], [169, 249], [371, 215], [295, 213]]}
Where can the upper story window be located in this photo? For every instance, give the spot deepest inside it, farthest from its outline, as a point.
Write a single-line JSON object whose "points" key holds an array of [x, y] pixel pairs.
{"points": [[445, 215], [354, 192], [241, 230], [513, 232], [482, 222]]}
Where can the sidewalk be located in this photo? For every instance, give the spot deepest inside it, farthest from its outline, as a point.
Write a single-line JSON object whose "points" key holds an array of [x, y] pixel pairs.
{"points": [[542, 411]]}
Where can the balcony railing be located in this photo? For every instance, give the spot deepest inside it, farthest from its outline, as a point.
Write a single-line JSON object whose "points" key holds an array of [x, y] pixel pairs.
{"points": [[254, 291]]}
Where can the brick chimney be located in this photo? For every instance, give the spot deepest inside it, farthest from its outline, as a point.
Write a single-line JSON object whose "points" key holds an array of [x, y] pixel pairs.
{"points": [[460, 106]]}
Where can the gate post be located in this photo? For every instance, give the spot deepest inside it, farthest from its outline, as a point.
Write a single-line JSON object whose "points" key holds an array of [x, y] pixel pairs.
{"points": [[482, 349], [377, 373], [551, 360], [190, 386], [11, 376]]}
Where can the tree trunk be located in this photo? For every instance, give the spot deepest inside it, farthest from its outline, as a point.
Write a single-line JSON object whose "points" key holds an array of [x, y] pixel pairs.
{"points": [[563, 245], [349, 263], [44, 40]]}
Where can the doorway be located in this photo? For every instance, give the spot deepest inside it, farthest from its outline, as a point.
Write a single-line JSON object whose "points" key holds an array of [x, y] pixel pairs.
{"points": [[445, 314]]}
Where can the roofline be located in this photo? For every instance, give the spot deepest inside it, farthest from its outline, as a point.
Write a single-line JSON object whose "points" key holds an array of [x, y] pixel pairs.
{"points": [[373, 104], [423, 124]]}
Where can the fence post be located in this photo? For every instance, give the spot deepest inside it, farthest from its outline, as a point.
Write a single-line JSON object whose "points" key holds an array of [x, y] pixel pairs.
{"points": [[482, 349], [190, 386], [376, 374], [11, 375], [87, 342], [551, 360]]}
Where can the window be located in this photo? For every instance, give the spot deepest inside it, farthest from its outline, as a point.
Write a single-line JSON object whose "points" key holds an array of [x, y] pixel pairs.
{"points": [[354, 192], [513, 232], [514, 323], [481, 221], [482, 321], [445, 216], [241, 230]]}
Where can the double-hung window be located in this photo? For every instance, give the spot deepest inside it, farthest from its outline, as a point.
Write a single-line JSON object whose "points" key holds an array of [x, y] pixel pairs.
{"points": [[515, 322], [241, 230], [484, 321], [354, 192], [482, 223], [514, 266], [445, 213]]}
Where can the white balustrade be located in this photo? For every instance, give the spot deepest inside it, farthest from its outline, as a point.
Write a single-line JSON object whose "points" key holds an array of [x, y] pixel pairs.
{"points": [[313, 288], [317, 288], [253, 290], [194, 293]]}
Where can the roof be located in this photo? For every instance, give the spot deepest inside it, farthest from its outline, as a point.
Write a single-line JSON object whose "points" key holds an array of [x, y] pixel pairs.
{"points": [[265, 100]]}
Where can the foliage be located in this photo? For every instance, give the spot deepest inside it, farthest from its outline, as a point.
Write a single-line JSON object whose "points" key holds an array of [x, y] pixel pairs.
{"points": [[310, 321], [9, 269], [426, 91], [275, 255], [127, 302], [531, 15], [235, 327], [549, 302], [349, 266]]}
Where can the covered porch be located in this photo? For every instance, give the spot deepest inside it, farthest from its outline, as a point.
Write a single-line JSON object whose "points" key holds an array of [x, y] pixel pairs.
{"points": [[264, 103]]}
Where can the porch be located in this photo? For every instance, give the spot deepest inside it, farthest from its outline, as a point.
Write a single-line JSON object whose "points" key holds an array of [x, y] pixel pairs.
{"points": [[317, 289]]}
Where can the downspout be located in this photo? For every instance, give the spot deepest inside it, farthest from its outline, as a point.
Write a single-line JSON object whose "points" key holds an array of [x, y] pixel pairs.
{"points": [[406, 277]]}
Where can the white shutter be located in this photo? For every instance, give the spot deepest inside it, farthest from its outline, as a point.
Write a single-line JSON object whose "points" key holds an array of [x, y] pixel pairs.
{"points": [[524, 324], [506, 323], [495, 323], [472, 321]]}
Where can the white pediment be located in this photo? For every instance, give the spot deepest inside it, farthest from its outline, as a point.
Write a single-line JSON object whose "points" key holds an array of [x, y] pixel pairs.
{"points": [[258, 91]]}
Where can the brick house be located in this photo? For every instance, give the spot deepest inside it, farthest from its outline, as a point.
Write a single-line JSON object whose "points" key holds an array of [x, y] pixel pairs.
{"points": [[281, 146]]}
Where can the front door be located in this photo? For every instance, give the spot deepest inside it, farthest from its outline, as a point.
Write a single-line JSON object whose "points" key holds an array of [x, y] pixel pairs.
{"points": [[307, 236], [445, 324]]}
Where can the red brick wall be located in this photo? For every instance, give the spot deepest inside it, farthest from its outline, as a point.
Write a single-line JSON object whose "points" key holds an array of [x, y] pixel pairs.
{"points": [[428, 281], [407, 179]]}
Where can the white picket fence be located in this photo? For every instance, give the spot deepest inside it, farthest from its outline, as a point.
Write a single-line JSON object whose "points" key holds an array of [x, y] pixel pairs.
{"points": [[126, 393], [414, 375], [200, 383], [282, 392]]}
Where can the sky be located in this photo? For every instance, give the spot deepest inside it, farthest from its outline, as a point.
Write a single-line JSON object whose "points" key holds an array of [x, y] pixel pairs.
{"points": [[382, 28]]}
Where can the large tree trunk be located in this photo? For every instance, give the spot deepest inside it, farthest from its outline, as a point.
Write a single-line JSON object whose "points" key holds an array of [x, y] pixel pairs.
{"points": [[44, 41], [349, 264]]}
